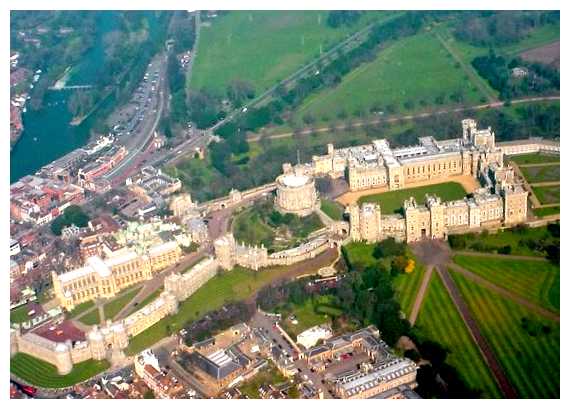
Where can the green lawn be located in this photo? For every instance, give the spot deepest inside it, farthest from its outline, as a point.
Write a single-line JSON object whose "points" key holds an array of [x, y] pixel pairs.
{"points": [[113, 307], [391, 202], [332, 209], [510, 237], [20, 314], [532, 363], [547, 194], [440, 321], [534, 158], [537, 174], [407, 286], [42, 374], [91, 318], [269, 375], [235, 285], [264, 47], [150, 298], [416, 69], [81, 308], [359, 255], [546, 211], [537, 281], [314, 311]]}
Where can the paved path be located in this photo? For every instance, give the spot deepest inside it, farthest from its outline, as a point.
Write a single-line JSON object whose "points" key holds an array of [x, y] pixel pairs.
{"points": [[537, 309], [392, 119], [503, 256], [421, 295], [502, 381], [553, 183]]}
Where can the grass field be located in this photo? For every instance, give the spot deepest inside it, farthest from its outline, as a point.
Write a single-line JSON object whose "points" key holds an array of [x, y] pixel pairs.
{"points": [[264, 47], [439, 320], [537, 174], [407, 286], [113, 307], [391, 202], [532, 363], [42, 374], [547, 194], [394, 78], [19, 314], [534, 158], [537, 281], [314, 311], [81, 308], [359, 255], [150, 298], [546, 211], [91, 318], [332, 209], [235, 285], [511, 238]]}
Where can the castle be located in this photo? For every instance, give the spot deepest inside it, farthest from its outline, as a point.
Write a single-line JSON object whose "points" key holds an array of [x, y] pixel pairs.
{"points": [[105, 278], [377, 165], [109, 340]]}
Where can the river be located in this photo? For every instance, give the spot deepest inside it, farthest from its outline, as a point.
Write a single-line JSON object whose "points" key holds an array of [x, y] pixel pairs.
{"points": [[47, 133]]}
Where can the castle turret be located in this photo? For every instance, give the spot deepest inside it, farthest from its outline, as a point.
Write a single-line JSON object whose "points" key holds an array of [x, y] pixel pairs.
{"points": [[62, 358], [225, 250], [96, 343]]}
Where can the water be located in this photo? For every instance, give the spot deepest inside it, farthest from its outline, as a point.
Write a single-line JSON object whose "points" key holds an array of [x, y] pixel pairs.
{"points": [[48, 134]]}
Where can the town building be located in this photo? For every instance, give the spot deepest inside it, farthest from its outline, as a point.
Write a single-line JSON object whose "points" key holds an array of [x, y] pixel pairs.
{"points": [[311, 336], [164, 386]]}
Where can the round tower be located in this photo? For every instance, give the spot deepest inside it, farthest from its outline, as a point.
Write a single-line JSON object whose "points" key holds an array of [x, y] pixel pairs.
{"points": [[62, 357], [96, 343]]}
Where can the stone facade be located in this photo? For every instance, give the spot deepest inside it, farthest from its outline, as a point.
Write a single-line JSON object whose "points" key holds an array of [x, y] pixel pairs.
{"points": [[377, 165], [105, 278], [296, 192], [436, 219], [184, 285]]}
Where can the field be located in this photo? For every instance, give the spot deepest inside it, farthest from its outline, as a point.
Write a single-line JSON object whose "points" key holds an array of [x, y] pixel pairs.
{"points": [[391, 202], [534, 158], [416, 69], [263, 47], [314, 311], [546, 54], [538, 174], [359, 255], [150, 298], [513, 238], [20, 314], [530, 359], [43, 374], [546, 211], [407, 286], [537, 281], [332, 209], [262, 224], [81, 308], [235, 285], [547, 194], [91, 318], [113, 307], [439, 320]]}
